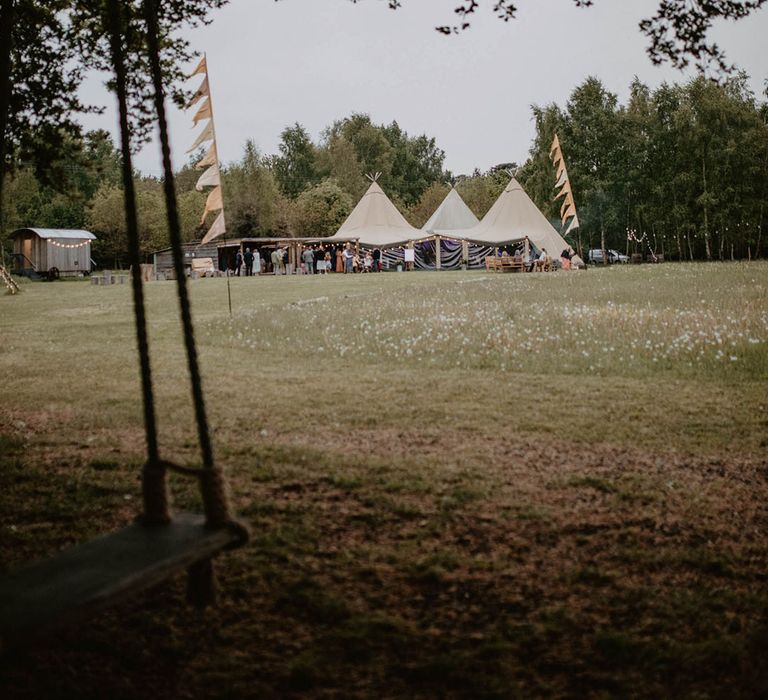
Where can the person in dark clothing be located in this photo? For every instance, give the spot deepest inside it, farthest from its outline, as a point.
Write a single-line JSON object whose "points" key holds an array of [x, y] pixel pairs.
{"points": [[319, 255], [376, 260], [248, 260], [238, 262]]}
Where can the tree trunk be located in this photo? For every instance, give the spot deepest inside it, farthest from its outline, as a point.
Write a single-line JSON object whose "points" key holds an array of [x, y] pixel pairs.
{"points": [[706, 210]]}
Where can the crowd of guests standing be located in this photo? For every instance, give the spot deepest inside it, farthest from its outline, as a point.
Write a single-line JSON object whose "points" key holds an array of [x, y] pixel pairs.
{"points": [[314, 259]]}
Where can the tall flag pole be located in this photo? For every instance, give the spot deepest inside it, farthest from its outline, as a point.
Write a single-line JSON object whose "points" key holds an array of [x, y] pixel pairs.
{"points": [[209, 163], [568, 207], [211, 176]]}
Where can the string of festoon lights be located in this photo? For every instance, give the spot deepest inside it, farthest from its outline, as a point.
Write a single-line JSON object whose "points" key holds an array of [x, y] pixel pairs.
{"points": [[632, 236], [68, 245]]}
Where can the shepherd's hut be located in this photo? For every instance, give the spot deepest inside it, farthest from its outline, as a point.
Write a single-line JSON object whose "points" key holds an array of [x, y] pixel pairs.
{"points": [[51, 252]]}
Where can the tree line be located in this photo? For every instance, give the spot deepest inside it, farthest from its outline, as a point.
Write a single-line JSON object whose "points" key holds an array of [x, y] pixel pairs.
{"points": [[681, 170]]}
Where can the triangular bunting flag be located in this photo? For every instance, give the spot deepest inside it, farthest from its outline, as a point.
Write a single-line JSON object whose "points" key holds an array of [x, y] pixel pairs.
{"points": [[202, 91], [566, 190], [209, 163], [213, 203], [573, 225], [202, 67], [555, 145], [203, 113], [210, 178], [205, 135], [566, 206], [210, 158], [217, 229]]}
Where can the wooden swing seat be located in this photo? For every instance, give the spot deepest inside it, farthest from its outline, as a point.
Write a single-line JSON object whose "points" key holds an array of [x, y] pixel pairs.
{"points": [[86, 578]]}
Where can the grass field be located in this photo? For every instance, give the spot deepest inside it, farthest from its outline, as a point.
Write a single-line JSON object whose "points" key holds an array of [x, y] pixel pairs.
{"points": [[460, 484]]}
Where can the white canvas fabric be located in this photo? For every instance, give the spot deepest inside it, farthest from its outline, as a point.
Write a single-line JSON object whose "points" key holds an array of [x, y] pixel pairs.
{"points": [[202, 91], [213, 203], [205, 135], [512, 218], [210, 158], [203, 113], [376, 222], [210, 178], [573, 225], [218, 228], [453, 213], [202, 67]]}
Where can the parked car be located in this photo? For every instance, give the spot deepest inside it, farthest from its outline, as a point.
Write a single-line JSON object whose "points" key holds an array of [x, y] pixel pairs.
{"points": [[614, 256]]}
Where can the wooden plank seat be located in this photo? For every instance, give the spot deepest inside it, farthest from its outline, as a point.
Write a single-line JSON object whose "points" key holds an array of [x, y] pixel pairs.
{"points": [[512, 263], [83, 579]]}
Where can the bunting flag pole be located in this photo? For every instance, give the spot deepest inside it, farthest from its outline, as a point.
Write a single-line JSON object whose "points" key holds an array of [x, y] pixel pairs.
{"points": [[209, 163], [563, 183], [211, 176]]}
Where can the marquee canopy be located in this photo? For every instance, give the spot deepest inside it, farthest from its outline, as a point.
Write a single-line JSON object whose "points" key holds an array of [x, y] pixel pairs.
{"points": [[376, 222], [512, 218]]}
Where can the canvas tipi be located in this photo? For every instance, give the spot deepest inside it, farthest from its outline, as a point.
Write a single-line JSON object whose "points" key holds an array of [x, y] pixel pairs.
{"points": [[512, 218], [452, 214], [376, 223]]}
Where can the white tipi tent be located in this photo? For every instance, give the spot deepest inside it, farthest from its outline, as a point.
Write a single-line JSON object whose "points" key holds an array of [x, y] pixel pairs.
{"points": [[512, 218], [452, 214], [376, 222]]}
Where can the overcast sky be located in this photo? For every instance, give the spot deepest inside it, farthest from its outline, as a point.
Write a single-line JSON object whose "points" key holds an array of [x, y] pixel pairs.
{"points": [[272, 64]]}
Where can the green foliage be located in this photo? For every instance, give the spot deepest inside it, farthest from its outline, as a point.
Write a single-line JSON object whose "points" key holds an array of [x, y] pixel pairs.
{"points": [[430, 200], [338, 159], [321, 210], [481, 190], [294, 168], [417, 162], [252, 198], [354, 147], [684, 168]]}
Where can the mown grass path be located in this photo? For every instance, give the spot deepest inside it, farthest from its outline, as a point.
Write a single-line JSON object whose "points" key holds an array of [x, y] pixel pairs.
{"points": [[462, 484]]}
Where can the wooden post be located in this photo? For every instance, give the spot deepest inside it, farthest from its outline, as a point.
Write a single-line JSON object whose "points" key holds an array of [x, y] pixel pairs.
{"points": [[438, 254]]}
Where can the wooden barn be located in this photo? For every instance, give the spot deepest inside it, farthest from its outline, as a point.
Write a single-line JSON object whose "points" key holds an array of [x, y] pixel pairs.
{"points": [[51, 252], [163, 259]]}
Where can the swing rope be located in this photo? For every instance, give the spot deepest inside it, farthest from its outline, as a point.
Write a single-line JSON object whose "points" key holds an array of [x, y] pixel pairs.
{"points": [[212, 484], [155, 491]]}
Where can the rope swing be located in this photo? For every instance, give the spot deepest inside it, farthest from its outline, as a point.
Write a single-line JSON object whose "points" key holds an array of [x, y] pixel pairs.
{"points": [[212, 484], [83, 579]]}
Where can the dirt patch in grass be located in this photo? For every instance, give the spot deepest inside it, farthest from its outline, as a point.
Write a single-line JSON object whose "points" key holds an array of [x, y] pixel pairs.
{"points": [[413, 564]]}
